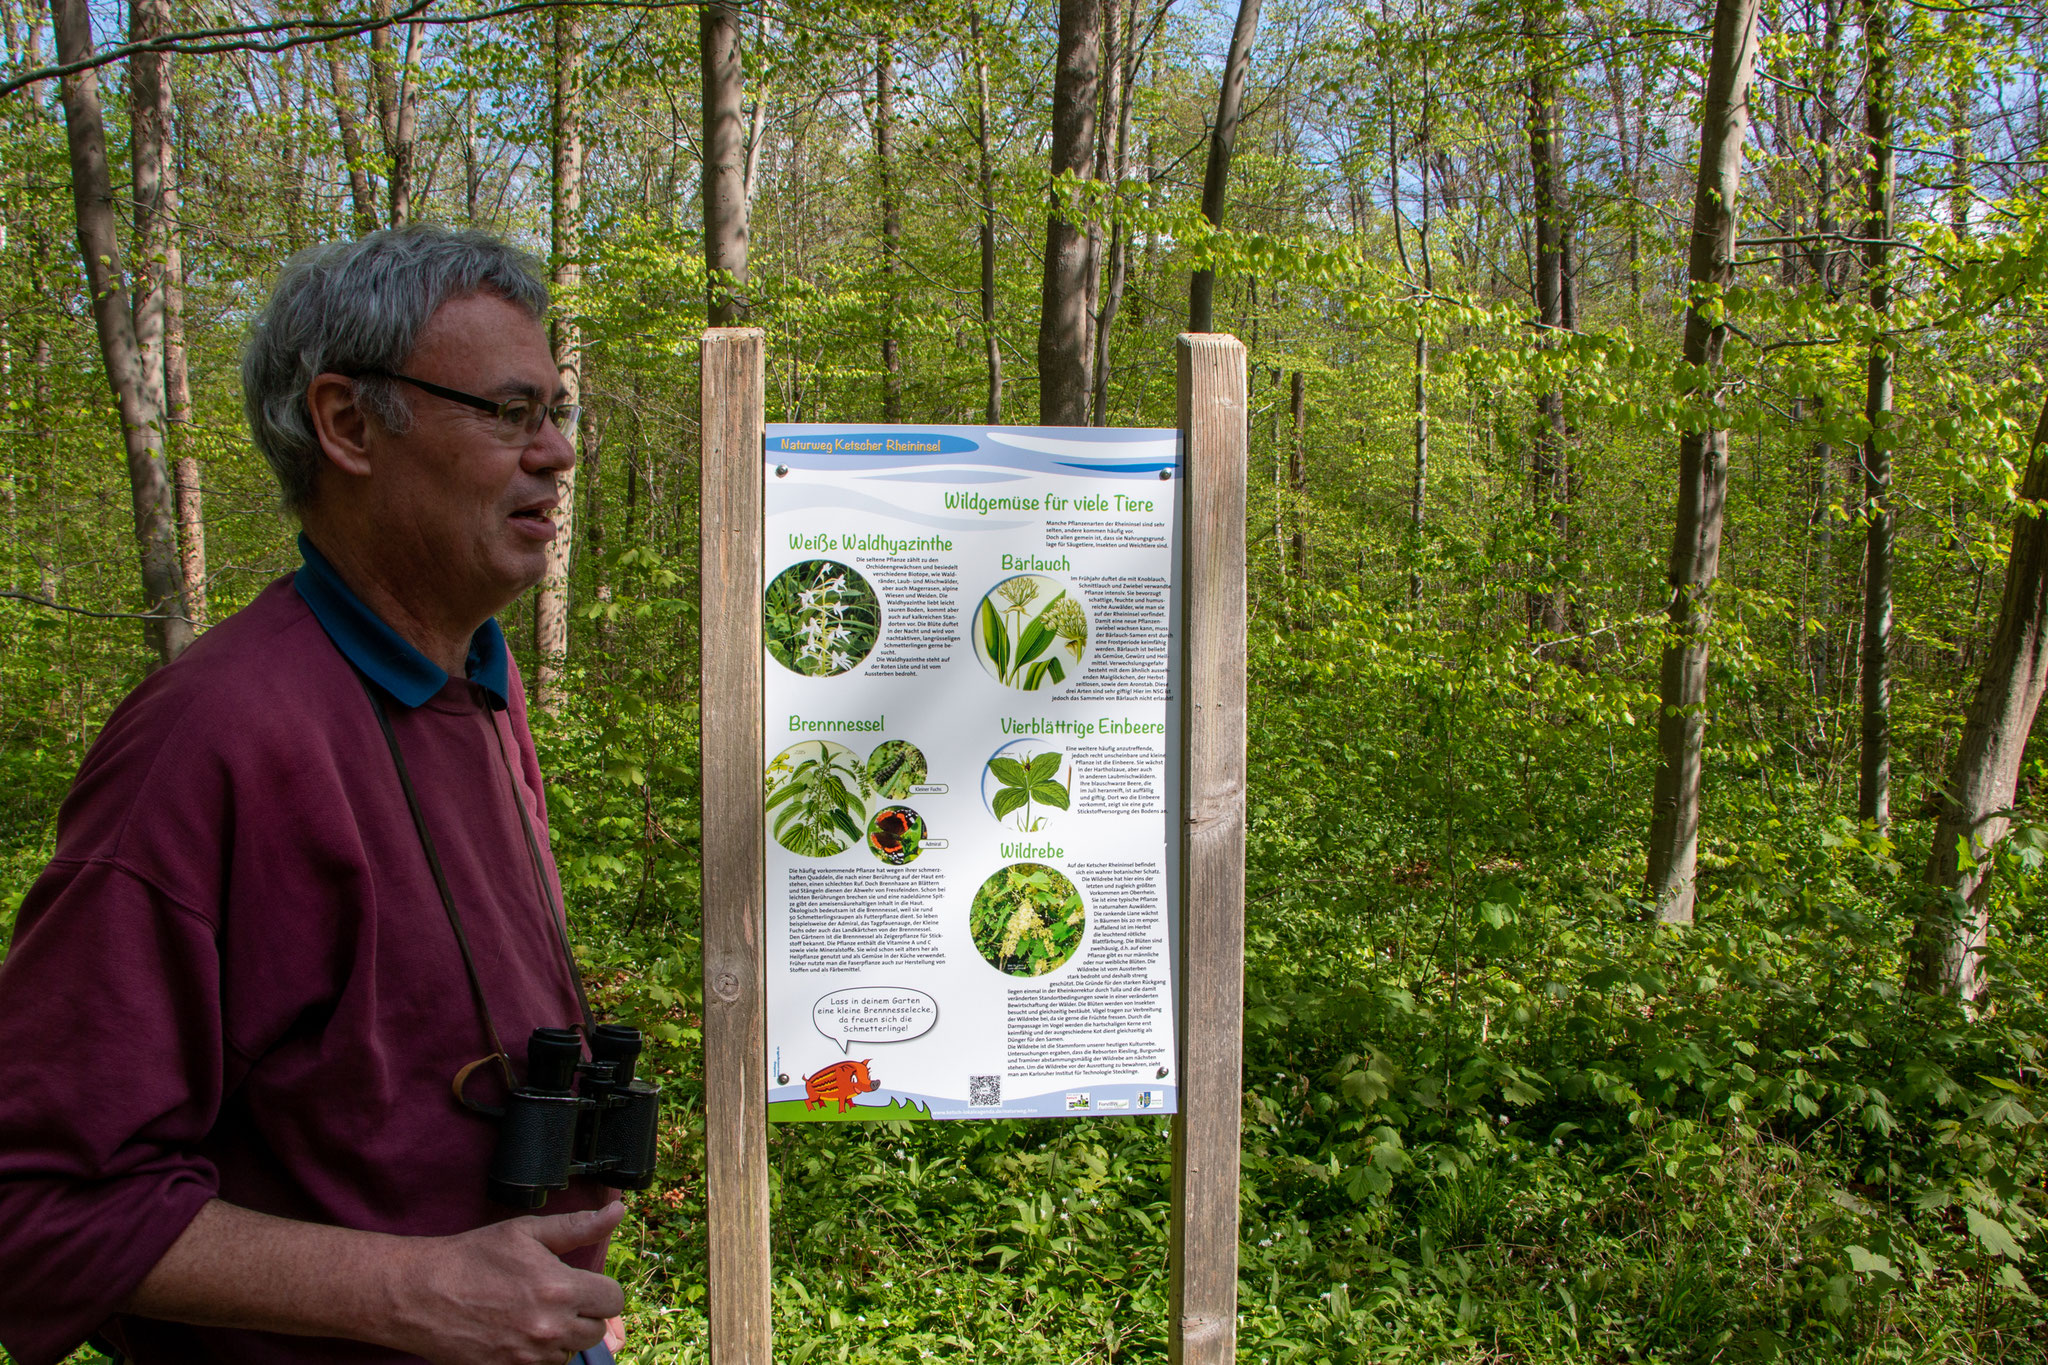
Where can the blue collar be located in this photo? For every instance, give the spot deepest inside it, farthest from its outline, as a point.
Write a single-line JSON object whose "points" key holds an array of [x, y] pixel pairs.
{"points": [[385, 657]]}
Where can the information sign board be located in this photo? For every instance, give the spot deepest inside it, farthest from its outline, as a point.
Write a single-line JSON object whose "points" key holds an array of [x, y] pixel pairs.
{"points": [[971, 760]]}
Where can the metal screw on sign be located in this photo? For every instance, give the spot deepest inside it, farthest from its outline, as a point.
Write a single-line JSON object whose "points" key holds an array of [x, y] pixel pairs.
{"points": [[782, 471]]}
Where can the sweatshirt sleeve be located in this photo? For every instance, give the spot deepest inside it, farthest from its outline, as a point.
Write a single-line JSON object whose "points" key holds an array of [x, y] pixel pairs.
{"points": [[111, 1073]]}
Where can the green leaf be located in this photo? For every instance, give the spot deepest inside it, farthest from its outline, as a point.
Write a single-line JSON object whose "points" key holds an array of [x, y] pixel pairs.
{"points": [[1009, 772], [1044, 766], [1867, 1262], [1993, 1236], [994, 637], [1007, 800], [1049, 794]]}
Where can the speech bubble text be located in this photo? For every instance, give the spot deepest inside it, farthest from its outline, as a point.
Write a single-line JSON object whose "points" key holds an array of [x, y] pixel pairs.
{"points": [[874, 1014]]}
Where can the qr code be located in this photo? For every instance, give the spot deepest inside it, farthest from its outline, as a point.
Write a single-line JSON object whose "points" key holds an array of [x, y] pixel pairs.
{"points": [[985, 1091]]}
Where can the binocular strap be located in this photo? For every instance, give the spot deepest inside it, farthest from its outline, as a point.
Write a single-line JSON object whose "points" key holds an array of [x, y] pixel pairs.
{"points": [[550, 907]]}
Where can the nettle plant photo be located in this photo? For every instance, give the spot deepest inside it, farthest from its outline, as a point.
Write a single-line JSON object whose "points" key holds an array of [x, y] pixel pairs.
{"points": [[816, 798]]}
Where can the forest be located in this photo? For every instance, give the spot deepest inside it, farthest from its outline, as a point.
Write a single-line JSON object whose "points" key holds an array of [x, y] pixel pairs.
{"points": [[1648, 591]]}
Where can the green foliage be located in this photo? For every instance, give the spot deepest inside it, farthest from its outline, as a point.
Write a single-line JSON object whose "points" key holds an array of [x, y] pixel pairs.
{"points": [[1013, 638], [1021, 782], [895, 766], [1027, 919], [821, 618], [817, 798]]}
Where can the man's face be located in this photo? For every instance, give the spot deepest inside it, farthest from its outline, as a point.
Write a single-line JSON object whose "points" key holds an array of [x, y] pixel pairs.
{"points": [[460, 503]]}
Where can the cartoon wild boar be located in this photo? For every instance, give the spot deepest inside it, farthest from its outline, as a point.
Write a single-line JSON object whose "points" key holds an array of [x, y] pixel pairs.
{"points": [[842, 1081]]}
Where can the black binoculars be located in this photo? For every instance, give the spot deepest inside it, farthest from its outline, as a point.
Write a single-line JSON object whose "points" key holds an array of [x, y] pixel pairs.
{"points": [[552, 1132]]}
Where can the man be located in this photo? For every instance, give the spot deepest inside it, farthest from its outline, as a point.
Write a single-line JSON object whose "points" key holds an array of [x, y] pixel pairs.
{"points": [[236, 1002]]}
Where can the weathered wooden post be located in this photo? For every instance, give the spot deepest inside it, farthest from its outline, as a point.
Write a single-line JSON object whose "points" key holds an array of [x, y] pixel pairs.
{"points": [[729, 702], [1205, 1131]]}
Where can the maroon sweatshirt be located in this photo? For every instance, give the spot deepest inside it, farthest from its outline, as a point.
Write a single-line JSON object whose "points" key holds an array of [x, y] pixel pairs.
{"points": [[236, 979]]}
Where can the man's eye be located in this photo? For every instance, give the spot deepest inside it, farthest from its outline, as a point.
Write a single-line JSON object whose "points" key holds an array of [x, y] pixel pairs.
{"points": [[521, 414]]}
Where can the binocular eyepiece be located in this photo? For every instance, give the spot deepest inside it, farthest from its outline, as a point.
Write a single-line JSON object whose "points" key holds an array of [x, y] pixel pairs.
{"points": [[574, 1117]]}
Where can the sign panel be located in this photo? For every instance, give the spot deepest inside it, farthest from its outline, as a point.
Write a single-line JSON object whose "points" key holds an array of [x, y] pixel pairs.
{"points": [[971, 770]]}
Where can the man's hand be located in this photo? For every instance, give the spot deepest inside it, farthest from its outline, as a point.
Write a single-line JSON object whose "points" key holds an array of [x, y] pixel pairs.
{"points": [[502, 1296], [498, 1295]]}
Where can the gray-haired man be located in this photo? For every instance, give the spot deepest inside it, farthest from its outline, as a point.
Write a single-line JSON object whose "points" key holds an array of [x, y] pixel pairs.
{"points": [[237, 1002]]}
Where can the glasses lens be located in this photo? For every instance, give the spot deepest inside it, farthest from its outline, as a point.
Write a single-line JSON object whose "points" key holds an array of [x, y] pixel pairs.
{"points": [[566, 417]]}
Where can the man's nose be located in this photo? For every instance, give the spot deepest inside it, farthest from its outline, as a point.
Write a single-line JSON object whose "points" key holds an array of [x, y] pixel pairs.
{"points": [[551, 451]]}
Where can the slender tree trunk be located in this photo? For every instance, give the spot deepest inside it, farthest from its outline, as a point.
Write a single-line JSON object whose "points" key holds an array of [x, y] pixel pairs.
{"points": [[1063, 298], [1418, 501], [1955, 29], [1117, 137], [158, 291], [1702, 473], [472, 166], [725, 194], [985, 178], [159, 286], [99, 244], [1222, 142], [892, 224], [362, 195], [1821, 265], [1548, 487], [551, 599], [1297, 472], [1873, 794], [404, 145], [1951, 933]]}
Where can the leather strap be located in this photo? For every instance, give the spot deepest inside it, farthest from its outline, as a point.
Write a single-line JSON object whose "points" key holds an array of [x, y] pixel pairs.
{"points": [[419, 823]]}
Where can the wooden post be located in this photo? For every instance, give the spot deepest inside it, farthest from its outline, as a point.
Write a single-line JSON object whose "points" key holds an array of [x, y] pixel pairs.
{"points": [[735, 899], [1212, 682]]}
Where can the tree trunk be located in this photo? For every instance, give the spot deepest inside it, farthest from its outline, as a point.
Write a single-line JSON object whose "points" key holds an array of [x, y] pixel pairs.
{"points": [[551, 599], [892, 224], [986, 180], [1950, 935], [725, 192], [1418, 501], [1297, 472], [92, 193], [1548, 488], [1222, 141], [404, 142], [1821, 265], [362, 195], [1063, 298], [1116, 138], [159, 288], [1702, 473], [1873, 791]]}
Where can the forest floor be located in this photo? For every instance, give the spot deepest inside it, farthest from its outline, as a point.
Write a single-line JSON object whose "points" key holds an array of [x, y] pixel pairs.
{"points": [[1491, 1114]]}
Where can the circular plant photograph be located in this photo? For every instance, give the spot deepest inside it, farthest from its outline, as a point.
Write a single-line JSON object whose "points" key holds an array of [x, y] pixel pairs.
{"points": [[1027, 920], [895, 767], [1030, 632], [820, 618], [896, 835], [816, 797], [1023, 780]]}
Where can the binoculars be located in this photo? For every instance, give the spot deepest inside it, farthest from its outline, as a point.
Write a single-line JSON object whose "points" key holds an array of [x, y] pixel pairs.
{"points": [[551, 1132]]}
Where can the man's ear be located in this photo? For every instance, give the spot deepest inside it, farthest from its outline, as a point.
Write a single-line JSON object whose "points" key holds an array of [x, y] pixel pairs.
{"points": [[339, 423]]}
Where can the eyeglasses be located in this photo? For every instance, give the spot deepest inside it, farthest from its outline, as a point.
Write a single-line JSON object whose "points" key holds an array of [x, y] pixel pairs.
{"points": [[519, 419]]}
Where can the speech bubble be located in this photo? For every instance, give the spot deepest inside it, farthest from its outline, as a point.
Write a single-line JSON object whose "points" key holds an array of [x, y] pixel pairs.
{"points": [[874, 1014]]}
